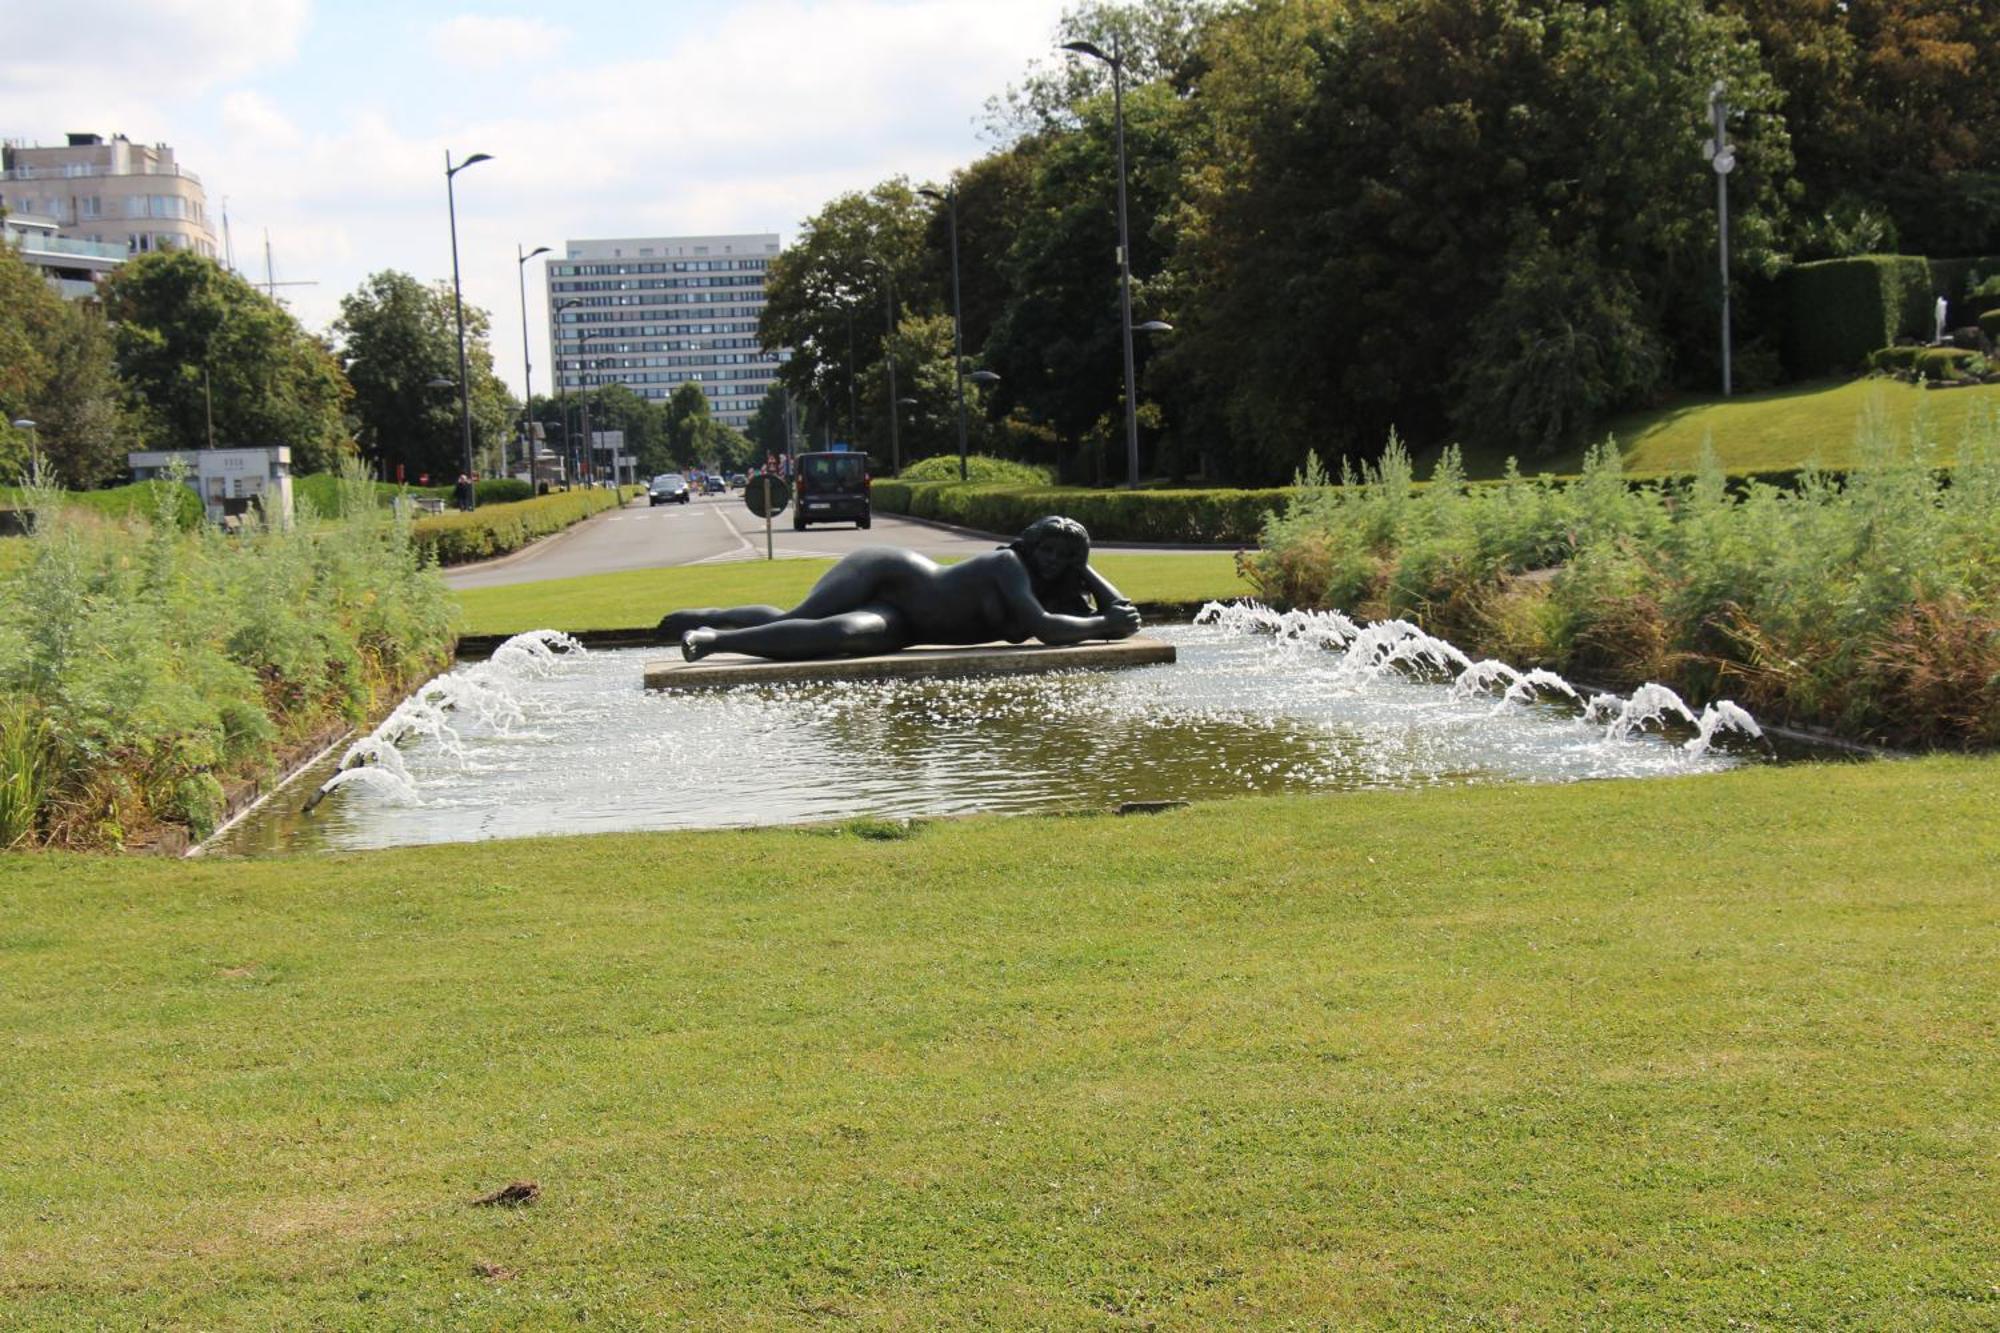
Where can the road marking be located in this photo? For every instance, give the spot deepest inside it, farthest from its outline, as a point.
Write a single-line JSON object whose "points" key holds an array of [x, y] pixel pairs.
{"points": [[742, 543]]}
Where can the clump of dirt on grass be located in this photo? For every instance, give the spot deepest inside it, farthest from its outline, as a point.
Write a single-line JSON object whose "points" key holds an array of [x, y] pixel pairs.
{"points": [[510, 1196]]}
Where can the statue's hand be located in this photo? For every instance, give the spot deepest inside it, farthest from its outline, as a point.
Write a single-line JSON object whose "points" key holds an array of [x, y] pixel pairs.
{"points": [[1121, 620]]}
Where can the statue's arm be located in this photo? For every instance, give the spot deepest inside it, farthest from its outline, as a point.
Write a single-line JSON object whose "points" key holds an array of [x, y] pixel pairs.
{"points": [[1101, 591], [1117, 619]]}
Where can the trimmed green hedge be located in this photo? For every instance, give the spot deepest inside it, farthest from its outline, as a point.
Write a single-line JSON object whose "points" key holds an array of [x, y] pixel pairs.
{"points": [[1943, 363], [1202, 516], [456, 538], [1838, 311], [1989, 324], [322, 489], [1951, 279], [978, 468]]}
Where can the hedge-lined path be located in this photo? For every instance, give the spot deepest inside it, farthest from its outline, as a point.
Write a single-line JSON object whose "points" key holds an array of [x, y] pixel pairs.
{"points": [[714, 529]]}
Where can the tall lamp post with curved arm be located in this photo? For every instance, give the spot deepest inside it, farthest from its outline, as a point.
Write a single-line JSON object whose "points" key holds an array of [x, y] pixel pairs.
{"points": [[1116, 59], [458, 302], [889, 356], [562, 387], [527, 368], [950, 199]]}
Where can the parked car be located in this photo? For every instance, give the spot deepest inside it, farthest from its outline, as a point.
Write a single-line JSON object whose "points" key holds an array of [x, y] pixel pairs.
{"points": [[832, 487], [737, 481], [667, 488]]}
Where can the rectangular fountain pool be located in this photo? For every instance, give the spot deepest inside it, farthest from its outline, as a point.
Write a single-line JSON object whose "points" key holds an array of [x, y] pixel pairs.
{"points": [[539, 743]]}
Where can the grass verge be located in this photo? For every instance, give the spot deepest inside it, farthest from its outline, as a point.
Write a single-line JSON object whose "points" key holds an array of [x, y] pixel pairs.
{"points": [[639, 597], [1690, 1053], [1785, 428]]}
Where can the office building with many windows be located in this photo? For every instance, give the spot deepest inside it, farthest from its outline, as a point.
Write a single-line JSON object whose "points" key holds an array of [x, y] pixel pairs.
{"points": [[108, 192], [654, 314]]}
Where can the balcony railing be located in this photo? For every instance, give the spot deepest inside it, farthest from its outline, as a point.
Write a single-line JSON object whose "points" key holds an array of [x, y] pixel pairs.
{"points": [[93, 170], [30, 243]]}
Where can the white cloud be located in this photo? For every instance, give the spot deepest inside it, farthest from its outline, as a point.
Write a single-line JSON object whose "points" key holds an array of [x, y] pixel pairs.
{"points": [[250, 117], [167, 48], [483, 41], [748, 120]]}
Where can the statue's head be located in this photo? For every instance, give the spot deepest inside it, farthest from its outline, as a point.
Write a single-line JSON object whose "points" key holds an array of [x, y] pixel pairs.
{"points": [[1056, 551]]}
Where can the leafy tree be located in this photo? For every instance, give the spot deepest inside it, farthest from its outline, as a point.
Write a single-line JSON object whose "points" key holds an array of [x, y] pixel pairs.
{"points": [[1160, 41], [768, 432], [56, 370], [1367, 167], [1894, 117], [1058, 343], [1561, 344], [687, 422], [617, 407], [922, 348], [827, 297], [399, 336], [725, 446], [995, 197], [196, 345]]}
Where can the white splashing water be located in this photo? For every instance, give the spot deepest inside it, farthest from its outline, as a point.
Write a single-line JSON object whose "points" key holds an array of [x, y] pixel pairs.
{"points": [[485, 690], [1385, 645]]}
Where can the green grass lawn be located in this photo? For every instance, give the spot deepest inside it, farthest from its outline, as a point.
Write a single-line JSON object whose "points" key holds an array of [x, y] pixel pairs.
{"points": [[1784, 428], [1716, 1052], [639, 597]]}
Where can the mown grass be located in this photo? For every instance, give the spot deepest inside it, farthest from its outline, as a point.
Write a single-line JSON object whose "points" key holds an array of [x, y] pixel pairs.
{"points": [[1714, 1052], [1782, 428], [635, 598]]}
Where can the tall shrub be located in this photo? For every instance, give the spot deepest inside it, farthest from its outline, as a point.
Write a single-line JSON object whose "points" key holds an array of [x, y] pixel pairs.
{"points": [[1837, 311]]}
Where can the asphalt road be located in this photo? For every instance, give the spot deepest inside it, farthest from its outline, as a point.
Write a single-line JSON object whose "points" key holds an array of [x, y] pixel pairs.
{"points": [[707, 529]]}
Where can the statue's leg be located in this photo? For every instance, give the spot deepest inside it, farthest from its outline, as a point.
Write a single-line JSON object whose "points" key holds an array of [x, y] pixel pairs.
{"points": [[855, 634], [676, 623]]}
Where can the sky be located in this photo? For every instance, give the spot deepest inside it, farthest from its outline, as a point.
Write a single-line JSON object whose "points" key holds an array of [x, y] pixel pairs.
{"points": [[325, 124]]}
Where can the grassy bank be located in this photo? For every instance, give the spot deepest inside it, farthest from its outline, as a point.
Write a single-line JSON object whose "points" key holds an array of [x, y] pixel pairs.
{"points": [[1784, 428], [639, 597], [1698, 1053]]}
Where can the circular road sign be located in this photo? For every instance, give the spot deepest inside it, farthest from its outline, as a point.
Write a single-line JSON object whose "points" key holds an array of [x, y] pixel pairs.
{"points": [[754, 492]]}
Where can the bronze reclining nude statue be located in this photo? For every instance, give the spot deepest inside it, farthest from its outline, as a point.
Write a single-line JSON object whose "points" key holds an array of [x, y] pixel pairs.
{"points": [[881, 599]]}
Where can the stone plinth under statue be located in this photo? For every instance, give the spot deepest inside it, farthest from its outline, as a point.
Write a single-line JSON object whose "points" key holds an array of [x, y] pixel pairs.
{"points": [[722, 670]]}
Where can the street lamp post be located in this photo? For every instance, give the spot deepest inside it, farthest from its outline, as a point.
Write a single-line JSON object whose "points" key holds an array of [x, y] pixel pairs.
{"points": [[1721, 157], [853, 397], [589, 456], [34, 449], [458, 302], [1117, 62], [950, 198], [527, 369], [889, 356], [562, 387]]}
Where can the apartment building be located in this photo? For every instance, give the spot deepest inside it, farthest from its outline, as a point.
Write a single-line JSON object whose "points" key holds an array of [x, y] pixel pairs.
{"points": [[656, 313], [73, 268], [108, 192]]}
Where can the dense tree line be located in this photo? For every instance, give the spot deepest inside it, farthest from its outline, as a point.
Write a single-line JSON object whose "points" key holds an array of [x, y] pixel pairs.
{"points": [[174, 351], [1477, 220]]}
